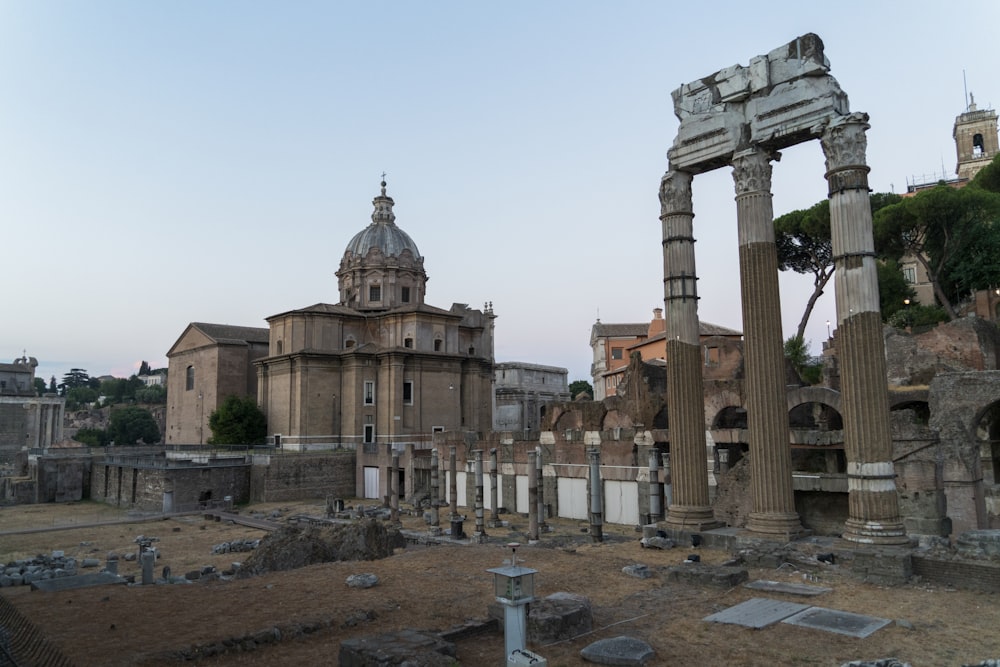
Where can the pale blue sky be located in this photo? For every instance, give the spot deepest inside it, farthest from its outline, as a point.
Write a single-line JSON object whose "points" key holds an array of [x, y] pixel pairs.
{"points": [[163, 163]]}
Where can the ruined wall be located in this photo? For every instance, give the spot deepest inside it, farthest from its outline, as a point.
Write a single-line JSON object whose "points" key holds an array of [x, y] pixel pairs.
{"points": [[142, 487], [965, 344], [60, 480], [297, 476]]}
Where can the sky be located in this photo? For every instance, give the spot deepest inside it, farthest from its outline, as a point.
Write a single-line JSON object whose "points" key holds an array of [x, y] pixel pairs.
{"points": [[163, 163]]}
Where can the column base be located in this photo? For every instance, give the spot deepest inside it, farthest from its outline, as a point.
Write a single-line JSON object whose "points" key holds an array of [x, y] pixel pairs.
{"points": [[685, 518], [875, 532], [784, 525]]}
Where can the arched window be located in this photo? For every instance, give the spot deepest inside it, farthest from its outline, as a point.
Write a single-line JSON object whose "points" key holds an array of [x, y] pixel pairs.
{"points": [[189, 379], [438, 344], [349, 343], [279, 346], [408, 342], [978, 148]]}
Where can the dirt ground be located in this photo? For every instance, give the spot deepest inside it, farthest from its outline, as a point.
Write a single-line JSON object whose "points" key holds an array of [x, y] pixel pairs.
{"points": [[439, 587]]}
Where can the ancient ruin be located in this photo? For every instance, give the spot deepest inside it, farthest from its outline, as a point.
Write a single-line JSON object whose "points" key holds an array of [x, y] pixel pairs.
{"points": [[741, 117]]}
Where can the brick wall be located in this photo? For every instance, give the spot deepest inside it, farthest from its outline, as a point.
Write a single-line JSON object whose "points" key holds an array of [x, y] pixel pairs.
{"points": [[959, 574], [289, 476]]}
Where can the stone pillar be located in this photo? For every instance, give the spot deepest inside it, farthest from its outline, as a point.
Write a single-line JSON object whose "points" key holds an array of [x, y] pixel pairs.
{"points": [[596, 497], [540, 484], [691, 508], [770, 449], [532, 497], [394, 488], [668, 486], [494, 511], [873, 506], [435, 493], [480, 529], [654, 486], [453, 482]]}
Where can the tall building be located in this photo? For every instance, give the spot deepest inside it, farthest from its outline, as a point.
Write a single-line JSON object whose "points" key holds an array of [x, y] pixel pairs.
{"points": [[976, 144], [26, 419], [381, 366], [975, 135]]}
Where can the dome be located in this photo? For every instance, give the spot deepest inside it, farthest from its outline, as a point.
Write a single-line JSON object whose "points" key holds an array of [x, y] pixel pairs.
{"points": [[382, 233]]}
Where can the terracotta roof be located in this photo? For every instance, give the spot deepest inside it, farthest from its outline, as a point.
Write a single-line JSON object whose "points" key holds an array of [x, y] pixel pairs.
{"points": [[621, 330]]}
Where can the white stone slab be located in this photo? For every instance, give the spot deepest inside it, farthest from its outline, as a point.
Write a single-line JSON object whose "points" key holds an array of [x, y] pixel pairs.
{"points": [[841, 622], [785, 587], [757, 613]]}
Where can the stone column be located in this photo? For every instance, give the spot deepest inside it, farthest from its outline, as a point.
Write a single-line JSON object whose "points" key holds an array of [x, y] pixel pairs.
{"points": [[532, 497], [873, 506], [478, 466], [770, 449], [453, 482], [654, 486], [435, 494], [690, 509], [540, 484], [596, 497], [494, 511], [394, 488]]}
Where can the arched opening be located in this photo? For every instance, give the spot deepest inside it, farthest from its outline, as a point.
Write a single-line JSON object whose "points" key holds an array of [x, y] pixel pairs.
{"points": [[731, 416], [815, 416], [988, 432], [349, 343], [921, 410], [279, 347], [978, 148], [408, 342]]}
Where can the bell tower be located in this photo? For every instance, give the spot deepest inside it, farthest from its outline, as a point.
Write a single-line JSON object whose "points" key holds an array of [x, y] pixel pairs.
{"points": [[975, 136]]}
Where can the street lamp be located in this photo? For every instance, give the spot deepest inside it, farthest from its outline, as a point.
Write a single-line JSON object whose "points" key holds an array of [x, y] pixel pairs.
{"points": [[514, 588]]}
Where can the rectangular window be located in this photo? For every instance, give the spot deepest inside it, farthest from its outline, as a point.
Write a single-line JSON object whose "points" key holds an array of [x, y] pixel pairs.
{"points": [[189, 381], [910, 274], [408, 392], [404, 294], [374, 292], [369, 392], [369, 433], [616, 353], [711, 356]]}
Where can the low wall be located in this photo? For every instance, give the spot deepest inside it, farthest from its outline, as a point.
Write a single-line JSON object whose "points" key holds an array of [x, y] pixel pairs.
{"points": [[299, 476]]}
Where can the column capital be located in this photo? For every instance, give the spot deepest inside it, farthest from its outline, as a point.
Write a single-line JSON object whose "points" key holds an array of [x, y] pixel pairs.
{"points": [[752, 171], [675, 193], [845, 143]]}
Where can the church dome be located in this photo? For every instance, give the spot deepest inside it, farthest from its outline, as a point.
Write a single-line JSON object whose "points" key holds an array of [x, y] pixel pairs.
{"points": [[382, 233], [381, 268]]}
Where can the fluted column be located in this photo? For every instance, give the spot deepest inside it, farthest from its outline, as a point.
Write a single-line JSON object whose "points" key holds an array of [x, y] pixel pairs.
{"points": [[690, 509], [770, 449], [873, 513]]}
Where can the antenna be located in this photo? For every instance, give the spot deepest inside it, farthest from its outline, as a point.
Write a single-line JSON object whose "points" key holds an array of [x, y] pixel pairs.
{"points": [[965, 86]]}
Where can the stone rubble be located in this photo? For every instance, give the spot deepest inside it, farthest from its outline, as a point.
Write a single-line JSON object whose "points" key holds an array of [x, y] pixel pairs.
{"points": [[27, 570]]}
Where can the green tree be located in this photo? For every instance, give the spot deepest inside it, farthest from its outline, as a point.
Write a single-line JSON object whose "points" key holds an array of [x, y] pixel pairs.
{"points": [[92, 437], [152, 394], [809, 368], [576, 387], [894, 293], [143, 369], [76, 377], [53, 387], [39, 386], [238, 421], [988, 177], [129, 425], [941, 228], [805, 246], [78, 396]]}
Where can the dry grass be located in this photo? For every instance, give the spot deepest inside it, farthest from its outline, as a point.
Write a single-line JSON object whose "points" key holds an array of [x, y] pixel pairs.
{"points": [[442, 586]]}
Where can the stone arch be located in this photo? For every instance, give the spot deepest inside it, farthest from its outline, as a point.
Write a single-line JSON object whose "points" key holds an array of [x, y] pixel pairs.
{"points": [[801, 403]]}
